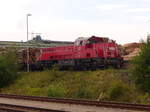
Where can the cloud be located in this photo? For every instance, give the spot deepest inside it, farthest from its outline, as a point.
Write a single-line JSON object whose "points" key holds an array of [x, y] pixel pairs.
{"points": [[72, 29], [13, 20], [69, 30], [138, 10], [143, 19], [108, 7]]}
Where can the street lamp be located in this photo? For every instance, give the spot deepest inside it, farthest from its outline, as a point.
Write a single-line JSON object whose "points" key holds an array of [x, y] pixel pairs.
{"points": [[27, 42]]}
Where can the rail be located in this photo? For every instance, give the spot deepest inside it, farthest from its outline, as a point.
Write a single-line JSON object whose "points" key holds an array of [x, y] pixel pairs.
{"points": [[16, 108], [106, 104]]}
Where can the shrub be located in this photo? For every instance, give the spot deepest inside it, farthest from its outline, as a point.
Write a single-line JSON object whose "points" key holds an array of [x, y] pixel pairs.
{"points": [[33, 91], [56, 91], [144, 98], [8, 68], [116, 91], [119, 91], [141, 69], [83, 90]]}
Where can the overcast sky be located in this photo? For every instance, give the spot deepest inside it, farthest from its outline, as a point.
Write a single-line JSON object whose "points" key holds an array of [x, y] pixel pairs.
{"points": [[122, 20]]}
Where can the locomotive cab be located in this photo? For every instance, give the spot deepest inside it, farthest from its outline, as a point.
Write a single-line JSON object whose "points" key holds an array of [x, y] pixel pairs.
{"points": [[92, 40]]}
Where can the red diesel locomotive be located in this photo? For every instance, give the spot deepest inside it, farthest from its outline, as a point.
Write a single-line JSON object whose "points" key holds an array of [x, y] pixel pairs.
{"points": [[86, 53]]}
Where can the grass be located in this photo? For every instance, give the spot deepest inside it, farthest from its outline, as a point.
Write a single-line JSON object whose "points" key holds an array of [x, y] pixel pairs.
{"points": [[110, 84]]}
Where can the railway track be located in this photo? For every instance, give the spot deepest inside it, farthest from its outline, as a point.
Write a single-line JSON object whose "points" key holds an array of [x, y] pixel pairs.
{"points": [[87, 103], [16, 108]]}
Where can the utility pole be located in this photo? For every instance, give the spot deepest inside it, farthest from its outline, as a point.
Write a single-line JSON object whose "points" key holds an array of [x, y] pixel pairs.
{"points": [[28, 65]]}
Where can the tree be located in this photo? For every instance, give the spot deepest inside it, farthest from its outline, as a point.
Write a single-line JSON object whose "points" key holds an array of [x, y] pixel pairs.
{"points": [[141, 68], [8, 67]]}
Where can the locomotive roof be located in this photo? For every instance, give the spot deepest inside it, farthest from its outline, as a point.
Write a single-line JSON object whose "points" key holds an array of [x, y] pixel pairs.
{"points": [[102, 39]]}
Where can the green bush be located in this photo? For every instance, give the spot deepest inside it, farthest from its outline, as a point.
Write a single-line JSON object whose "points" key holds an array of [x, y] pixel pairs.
{"points": [[144, 98], [8, 68], [83, 91], [116, 91], [141, 68], [101, 85], [119, 91], [56, 91]]}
